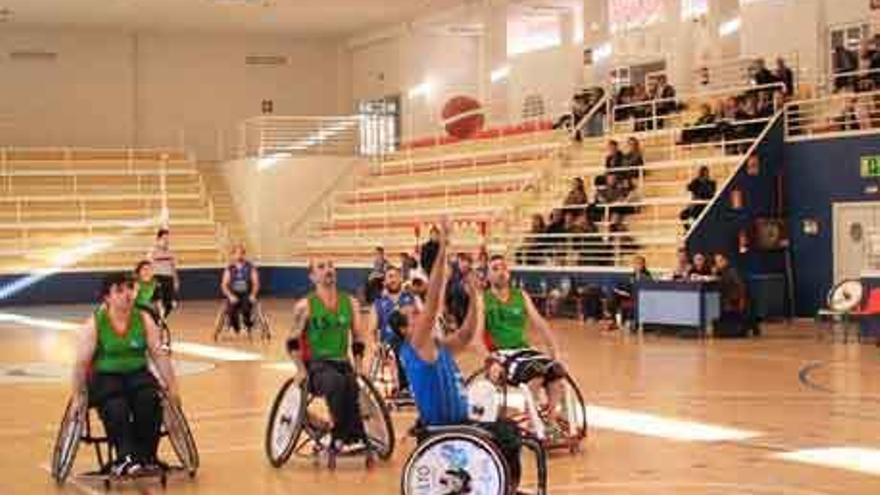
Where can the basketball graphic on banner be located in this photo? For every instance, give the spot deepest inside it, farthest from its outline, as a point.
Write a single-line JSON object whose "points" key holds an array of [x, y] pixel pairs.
{"points": [[463, 117]]}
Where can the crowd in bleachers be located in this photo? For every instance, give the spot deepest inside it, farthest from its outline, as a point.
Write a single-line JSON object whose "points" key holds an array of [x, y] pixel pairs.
{"points": [[857, 70]]}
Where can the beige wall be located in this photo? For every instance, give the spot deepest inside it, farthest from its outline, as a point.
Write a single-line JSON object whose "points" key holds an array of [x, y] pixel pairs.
{"points": [[274, 203], [111, 88]]}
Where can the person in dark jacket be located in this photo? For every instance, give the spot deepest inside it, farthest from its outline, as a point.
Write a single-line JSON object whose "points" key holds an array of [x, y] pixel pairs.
{"points": [[702, 188]]}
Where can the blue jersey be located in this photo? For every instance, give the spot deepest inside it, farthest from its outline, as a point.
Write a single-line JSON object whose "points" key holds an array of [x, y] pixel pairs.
{"points": [[240, 278], [385, 307], [437, 387]]}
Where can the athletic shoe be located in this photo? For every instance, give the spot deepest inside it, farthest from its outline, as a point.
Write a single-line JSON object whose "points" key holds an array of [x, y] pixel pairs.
{"points": [[126, 466], [351, 447]]}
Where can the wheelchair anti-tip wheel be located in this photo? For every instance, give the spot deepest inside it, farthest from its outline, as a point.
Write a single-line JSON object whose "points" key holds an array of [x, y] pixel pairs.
{"points": [[286, 420], [67, 441], [455, 463]]}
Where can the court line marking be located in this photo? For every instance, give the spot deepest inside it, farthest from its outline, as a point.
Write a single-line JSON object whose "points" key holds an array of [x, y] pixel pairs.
{"points": [[858, 459]]}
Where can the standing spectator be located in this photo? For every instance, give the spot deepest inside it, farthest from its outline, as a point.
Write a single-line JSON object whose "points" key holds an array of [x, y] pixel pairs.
{"points": [[762, 75], [376, 279], [165, 269], [428, 251], [784, 75], [734, 321], [702, 188], [843, 62], [665, 93], [407, 265], [530, 253], [632, 158]]}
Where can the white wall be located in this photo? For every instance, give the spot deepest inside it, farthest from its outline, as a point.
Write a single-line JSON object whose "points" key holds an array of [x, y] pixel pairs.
{"points": [[114, 88], [275, 202]]}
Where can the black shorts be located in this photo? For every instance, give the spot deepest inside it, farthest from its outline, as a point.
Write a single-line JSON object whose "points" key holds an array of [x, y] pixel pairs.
{"points": [[525, 365]]}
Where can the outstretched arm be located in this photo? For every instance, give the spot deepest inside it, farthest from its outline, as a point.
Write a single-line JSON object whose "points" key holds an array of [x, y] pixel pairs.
{"points": [[421, 337], [300, 320], [224, 285], [255, 284], [540, 323], [473, 320]]}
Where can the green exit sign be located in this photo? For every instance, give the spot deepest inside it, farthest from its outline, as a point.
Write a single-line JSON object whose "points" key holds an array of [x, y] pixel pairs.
{"points": [[871, 166]]}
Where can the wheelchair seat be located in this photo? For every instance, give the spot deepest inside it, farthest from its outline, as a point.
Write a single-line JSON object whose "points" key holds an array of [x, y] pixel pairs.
{"points": [[299, 424], [261, 322], [76, 428]]}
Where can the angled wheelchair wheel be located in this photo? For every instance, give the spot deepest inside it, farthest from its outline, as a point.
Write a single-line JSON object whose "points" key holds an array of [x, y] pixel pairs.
{"points": [[67, 441], [179, 434], [262, 321], [286, 421], [574, 410], [220, 323], [455, 463], [377, 420]]}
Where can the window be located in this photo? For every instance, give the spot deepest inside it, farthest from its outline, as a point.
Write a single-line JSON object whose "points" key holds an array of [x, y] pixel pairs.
{"points": [[380, 125]]}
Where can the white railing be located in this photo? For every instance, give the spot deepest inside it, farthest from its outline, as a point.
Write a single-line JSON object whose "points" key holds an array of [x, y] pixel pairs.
{"points": [[276, 136], [843, 114], [667, 112], [735, 72], [854, 80]]}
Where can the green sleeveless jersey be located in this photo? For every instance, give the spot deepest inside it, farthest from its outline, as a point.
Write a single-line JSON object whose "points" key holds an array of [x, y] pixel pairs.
{"points": [[116, 353], [506, 322], [145, 293], [327, 333]]}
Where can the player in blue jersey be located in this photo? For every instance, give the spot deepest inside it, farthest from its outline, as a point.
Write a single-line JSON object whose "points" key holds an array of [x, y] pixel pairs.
{"points": [[393, 299], [435, 379]]}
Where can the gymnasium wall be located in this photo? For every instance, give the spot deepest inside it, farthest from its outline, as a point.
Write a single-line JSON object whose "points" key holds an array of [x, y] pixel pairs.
{"points": [[818, 174], [111, 88], [274, 201]]}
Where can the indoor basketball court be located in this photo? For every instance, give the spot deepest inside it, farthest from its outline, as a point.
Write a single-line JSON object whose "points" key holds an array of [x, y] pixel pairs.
{"points": [[440, 247]]}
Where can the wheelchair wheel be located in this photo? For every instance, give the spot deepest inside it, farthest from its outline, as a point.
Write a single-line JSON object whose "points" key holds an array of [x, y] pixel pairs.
{"points": [[377, 420], [381, 373], [455, 463], [67, 441], [262, 321], [286, 421], [180, 435], [220, 323], [574, 410]]}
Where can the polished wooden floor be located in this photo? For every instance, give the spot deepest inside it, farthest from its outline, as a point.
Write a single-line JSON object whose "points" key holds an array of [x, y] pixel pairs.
{"points": [[787, 391]]}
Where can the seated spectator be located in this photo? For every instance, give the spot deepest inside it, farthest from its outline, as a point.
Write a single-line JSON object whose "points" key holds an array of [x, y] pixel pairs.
{"points": [[700, 269], [632, 159], [765, 105], [620, 304], [643, 114], [530, 253], [762, 76], [702, 188], [614, 158], [784, 75], [555, 239], [683, 265], [584, 238], [616, 190], [747, 113], [578, 194], [705, 130]]}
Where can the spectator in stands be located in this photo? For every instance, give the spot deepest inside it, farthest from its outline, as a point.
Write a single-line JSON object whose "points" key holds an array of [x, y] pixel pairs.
{"points": [[643, 114], [408, 265], [632, 159], [704, 127], [701, 268], [871, 56], [666, 93], [165, 269], [530, 253], [765, 105], [762, 76], [376, 279], [621, 243], [614, 158], [784, 75], [457, 299], [702, 188], [683, 265], [747, 114], [616, 189], [584, 238], [843, 62], [578, 194], [429, 250], [555, 239]]}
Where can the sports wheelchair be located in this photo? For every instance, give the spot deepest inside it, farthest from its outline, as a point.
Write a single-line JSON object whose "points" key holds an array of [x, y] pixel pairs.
{"points": [[384, 375], [464, 460], [301, 424], [491, 400], [76, 428], [260, 320]]}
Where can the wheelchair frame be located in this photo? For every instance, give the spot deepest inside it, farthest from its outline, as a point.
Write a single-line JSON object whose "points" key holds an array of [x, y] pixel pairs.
{"points": [[439, 436], [76, 428], [318, 436], [222, 324], [383, 376], [531, 420]]}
